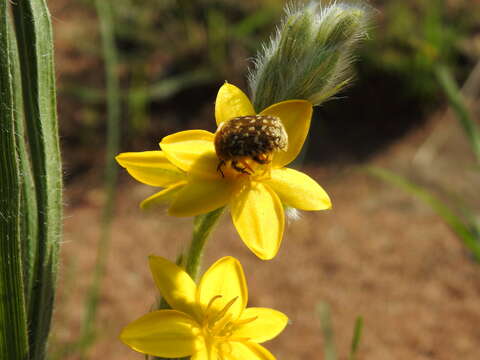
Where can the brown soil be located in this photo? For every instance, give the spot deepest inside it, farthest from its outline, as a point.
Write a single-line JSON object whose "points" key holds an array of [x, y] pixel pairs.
{"points": [[379, 254]]}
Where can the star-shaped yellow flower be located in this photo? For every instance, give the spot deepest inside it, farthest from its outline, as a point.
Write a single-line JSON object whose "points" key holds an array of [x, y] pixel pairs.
{"points": [[255, 189], [207, 322]]}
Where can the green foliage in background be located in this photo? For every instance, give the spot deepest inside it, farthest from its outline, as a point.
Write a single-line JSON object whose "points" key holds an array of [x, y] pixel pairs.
{"points": [[165, 47], [462, 222], [330, 351], [105, 13], [412, 37], [457, 103]]}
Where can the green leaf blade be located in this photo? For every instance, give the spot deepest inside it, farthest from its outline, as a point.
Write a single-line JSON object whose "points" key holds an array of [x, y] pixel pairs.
{"points": [[35, 44], [28, 204], [453, 221], [13, 323], [459, 107], [357, 335]]}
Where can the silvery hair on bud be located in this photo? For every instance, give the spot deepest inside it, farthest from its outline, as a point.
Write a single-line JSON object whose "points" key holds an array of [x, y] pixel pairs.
{"points": [[292, 214], [311, 53]]}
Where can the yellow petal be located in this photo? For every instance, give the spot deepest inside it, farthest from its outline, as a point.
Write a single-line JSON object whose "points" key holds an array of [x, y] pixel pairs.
{"points": [[175, 285], [295, 116], [267, 325], [258, 216], [192, 151], [150, 167], [202, 196], [224, 278], [231, 102], [162, 198], [298, 190], [164, 333], [248, 350]]}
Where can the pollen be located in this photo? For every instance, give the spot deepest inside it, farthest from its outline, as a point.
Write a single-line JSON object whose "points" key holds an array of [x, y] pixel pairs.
{"points": [[253, 137]]}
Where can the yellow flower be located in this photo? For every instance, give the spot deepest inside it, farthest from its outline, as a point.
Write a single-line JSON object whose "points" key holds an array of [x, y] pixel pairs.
{"points": [[207, 322], [197, 181]]}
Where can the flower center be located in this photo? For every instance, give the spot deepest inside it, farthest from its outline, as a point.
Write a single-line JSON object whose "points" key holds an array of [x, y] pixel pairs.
{"points": [[245, 142], [218, 326]]}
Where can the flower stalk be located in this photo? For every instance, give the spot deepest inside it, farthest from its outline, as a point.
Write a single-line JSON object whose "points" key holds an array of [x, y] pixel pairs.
{"points": [[202, 228]]}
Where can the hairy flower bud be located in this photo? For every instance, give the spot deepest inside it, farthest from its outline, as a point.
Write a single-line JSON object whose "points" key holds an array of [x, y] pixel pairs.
{"points": [[310, 55]]}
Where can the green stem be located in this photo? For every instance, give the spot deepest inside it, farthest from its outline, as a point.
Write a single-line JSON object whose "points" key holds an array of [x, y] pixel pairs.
{"points": [[357, 335], [202, 227], [325, 313], [104, 11], [459, 107]]}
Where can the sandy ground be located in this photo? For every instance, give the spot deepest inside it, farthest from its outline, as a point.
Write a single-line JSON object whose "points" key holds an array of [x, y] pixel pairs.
{"points": [[379, 254]]}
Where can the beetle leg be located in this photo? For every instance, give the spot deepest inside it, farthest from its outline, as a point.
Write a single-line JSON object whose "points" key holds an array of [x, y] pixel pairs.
{"points": [[221, 164], [242, 170]]}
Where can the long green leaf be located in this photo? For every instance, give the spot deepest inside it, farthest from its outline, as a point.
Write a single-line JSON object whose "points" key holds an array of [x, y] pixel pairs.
{"points": [[456, 224], [28, 205], [457, 103], [13, 322], [35, 44], [253, 22]]}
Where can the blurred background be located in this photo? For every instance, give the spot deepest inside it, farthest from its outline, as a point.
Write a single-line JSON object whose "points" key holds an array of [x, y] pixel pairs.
{"points": [[385, 252]]}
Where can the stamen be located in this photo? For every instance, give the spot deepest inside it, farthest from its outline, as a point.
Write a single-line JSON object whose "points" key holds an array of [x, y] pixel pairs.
{"points": [[222, 312], [245, 321], [210, 303], [218, 325], [207, 310], [239, 339]]}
